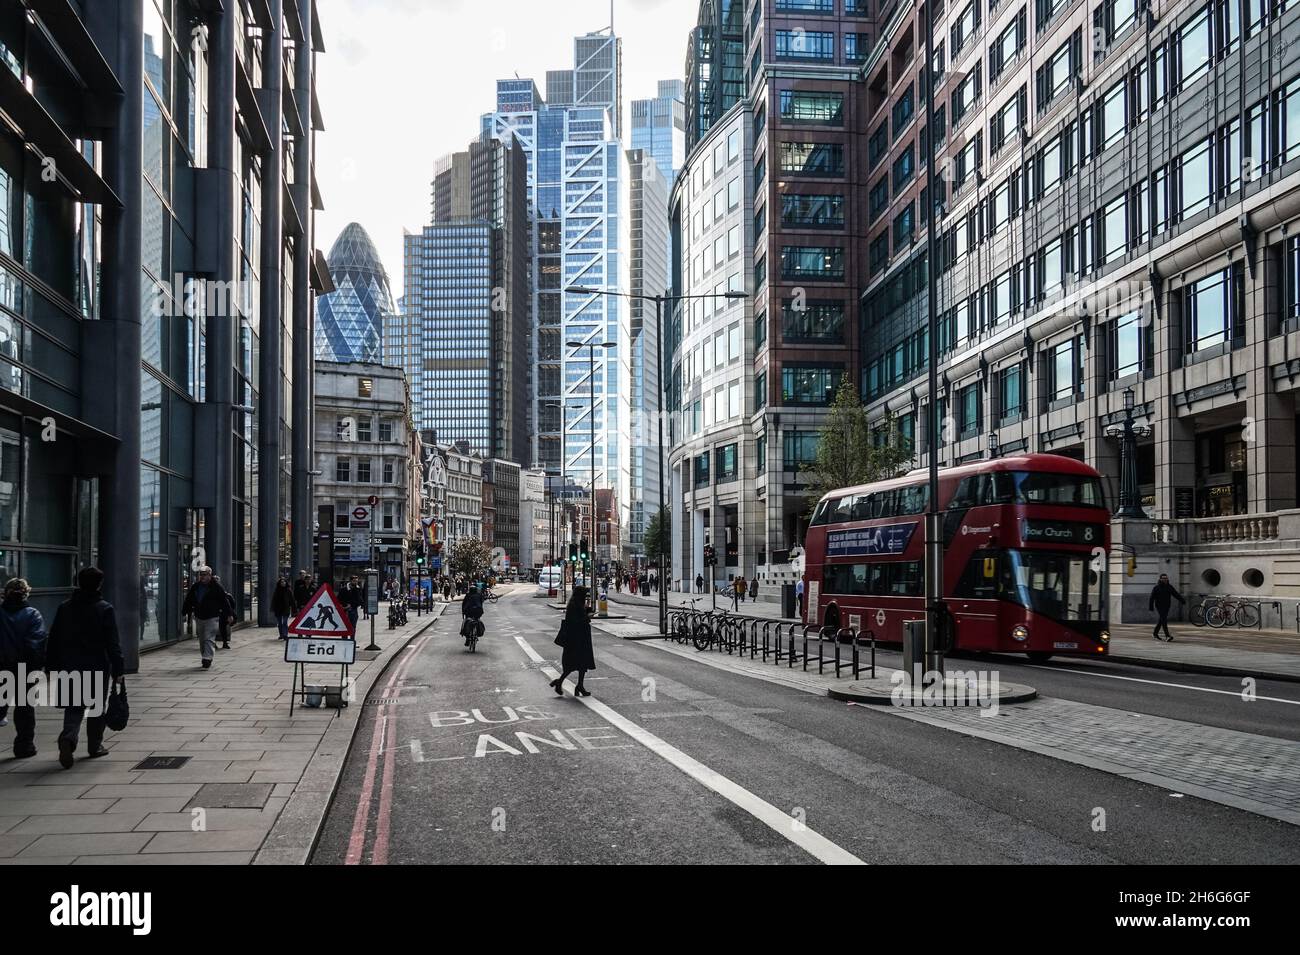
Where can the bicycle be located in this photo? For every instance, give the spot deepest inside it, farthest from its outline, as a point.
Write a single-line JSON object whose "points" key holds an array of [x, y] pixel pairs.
{"points": [[1232, 610], [721, 632]]}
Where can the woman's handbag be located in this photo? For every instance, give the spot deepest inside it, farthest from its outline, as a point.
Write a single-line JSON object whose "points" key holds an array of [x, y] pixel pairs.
{"points": [[561, 636], [118, 713]]}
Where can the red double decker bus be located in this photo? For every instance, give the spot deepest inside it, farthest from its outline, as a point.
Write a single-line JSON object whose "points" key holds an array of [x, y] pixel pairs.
{"points": [[1026, 546]]}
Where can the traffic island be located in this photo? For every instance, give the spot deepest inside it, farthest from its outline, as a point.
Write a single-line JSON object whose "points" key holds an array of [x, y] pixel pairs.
{"points": [[972, 689]]}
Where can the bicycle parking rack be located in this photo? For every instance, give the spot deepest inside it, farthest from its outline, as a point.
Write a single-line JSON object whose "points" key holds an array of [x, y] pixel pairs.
{"points": [[734, 633]]}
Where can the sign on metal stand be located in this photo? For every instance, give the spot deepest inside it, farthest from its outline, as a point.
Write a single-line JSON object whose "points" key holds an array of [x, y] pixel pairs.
{"points": [[322, 634]]}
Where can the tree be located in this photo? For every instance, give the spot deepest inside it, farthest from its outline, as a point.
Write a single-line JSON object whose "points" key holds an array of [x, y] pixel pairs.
{"points": [[656, 527], [851, 451], [469, 556]]}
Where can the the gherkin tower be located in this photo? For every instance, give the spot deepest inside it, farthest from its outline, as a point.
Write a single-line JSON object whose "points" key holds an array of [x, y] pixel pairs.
{"points": [[350, 320]]}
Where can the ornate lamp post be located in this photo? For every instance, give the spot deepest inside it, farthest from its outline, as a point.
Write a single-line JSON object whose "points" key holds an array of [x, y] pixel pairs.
{"points": [[1128, 433]]}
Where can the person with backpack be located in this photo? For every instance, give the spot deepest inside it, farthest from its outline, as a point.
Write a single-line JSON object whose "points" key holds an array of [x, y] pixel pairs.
{"points": [[84, 639], [207, 602], [471, 609], [22, 642]]}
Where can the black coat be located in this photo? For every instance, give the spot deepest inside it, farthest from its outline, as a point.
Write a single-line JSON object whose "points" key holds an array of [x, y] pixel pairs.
{"points": [[282, 601], [84, 636], [472, 605], [215, 602], [302, 592], [575, 632], [1163, 596]]}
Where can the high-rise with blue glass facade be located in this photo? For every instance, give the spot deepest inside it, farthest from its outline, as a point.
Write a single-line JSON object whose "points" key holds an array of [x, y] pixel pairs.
{"points": [[350, 319], [659, 127], [579, 191], [156, 299]]}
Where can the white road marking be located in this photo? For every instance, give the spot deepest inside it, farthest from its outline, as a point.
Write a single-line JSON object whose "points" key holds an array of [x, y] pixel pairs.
{"points": [[417, 751], [816, 845], [1178, 686]]}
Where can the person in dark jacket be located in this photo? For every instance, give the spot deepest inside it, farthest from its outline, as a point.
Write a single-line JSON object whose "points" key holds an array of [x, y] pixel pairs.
{"points": [[302, 589], [283, 606], [207, 602], [22, 641], [227, 619], [699, 583], [575, 638], [472, 606], [1162, 597], [352, 598], [84, 639]]}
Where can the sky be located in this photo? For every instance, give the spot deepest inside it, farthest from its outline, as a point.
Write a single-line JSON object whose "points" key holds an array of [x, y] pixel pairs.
{"points": [[403, 82]]}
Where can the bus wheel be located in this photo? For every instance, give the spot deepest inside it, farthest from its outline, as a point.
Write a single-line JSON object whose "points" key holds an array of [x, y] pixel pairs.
{"points": [[1038, 656]]}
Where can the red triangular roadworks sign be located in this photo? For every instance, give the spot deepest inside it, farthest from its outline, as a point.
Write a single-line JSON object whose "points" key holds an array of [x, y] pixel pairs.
{"points": [[324, 616]]}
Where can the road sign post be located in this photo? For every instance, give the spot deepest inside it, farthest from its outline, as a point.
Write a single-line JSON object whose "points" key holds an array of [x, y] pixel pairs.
{"points": [[372, 602], [321, 633]]}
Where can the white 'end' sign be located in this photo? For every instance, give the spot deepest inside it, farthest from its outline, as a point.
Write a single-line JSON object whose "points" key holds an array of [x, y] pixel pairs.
{"points": [[320, 650]]}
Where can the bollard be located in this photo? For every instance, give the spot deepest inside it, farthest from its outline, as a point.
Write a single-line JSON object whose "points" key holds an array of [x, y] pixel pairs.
{"points": [[602, 604]]}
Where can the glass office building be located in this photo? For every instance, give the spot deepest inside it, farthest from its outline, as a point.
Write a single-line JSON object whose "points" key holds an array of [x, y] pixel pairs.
{"points": [[659, 127], [138, 282], [350, 320]]}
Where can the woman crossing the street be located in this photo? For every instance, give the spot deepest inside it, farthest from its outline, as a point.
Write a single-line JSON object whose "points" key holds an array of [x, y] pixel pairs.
{"points": [[575, 638]]}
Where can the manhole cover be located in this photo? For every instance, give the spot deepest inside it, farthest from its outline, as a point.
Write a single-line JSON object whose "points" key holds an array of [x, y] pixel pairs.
{"points": [[162, 762], [385, 700]]}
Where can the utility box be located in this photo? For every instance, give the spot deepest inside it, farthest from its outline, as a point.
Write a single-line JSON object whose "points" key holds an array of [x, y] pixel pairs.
{"points": [[913, 647], [789, 603]]}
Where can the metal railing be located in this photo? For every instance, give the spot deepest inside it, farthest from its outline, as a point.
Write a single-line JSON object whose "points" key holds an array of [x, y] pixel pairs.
{"points": [[779, 640]]}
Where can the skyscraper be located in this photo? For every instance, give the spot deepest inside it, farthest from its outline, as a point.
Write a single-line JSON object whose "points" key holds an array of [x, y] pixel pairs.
{"points": [[351, 319], [578, 181], [465, 331], [659, 127]]}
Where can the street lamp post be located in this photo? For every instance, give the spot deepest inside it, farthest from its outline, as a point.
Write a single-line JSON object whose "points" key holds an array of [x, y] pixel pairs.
{"points": [[663, 403], [1128, 433]]}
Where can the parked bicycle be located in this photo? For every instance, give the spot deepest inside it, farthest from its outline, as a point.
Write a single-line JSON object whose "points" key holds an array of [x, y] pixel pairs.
{"points": [[721, 627], [1226, 611]]}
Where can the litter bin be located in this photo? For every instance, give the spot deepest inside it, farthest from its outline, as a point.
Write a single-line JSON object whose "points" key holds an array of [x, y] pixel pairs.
{"points": [[645, 588], [789, 604]]}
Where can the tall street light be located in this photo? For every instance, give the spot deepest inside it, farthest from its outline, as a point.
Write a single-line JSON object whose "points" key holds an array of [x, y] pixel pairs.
{"points": [[590, 568], [564, 483], [1130, 504], [663, 403]]}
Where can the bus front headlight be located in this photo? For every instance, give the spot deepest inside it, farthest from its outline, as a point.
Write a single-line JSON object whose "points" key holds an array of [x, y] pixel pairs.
{"points": [[1105, 636], [1020, 632]]}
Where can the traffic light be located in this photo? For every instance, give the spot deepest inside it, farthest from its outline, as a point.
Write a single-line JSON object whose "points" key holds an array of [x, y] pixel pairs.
{"points": [[573, 553], [419, 553], [582, 549], [710, 556]]}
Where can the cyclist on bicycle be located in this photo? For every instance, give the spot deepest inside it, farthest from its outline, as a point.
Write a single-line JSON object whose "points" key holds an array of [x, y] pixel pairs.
{"points": [[1162, 597], [471, 608]]}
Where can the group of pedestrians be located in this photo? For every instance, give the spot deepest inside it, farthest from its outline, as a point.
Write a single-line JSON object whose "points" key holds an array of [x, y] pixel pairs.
{"points": [[82, 639]]}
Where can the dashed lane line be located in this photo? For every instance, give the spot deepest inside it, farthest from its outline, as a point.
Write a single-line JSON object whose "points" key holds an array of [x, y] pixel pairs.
{"points": [[1178, 686], [815, 844]]}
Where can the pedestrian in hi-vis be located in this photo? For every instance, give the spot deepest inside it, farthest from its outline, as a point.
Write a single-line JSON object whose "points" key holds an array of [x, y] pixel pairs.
{"points": [[84, 639], [207, 603], [1162, 597], [575, 638], [22, 641]]}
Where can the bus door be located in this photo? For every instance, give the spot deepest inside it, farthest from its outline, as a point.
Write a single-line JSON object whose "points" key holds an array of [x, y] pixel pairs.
{"points": [[974, 605]]}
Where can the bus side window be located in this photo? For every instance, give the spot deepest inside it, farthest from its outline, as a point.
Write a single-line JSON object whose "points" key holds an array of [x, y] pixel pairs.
{"points": [[859, 579], [965, 495], [862, 507], [878, 579]]}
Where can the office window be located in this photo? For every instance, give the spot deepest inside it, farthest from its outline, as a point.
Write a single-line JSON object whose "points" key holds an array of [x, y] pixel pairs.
{"points": [[1051, 267], [968, 410], [725, 464], [760, 391], [804, 45], [856, 47], [702, 470], [1000, 207], [1003, 297], [904, 227], [810, 106], [812, 159], [968, 22], [820, 212], [760, 453], [809, 384], [1055, 76], [1213, 310], [879, 197], [1114, 230], [1007, 46], [1288, 122], [812, 262], [878, 253], [1125, 344], [363, 470], [1192, 49], [388, 470], [799, 447], [1114, 115], [1011, 396], [733, 145], [904, 168], [1007, 121], [734, 343], [343, 470], [1045, 10], [363, 428], [818, 320], [1194, 172], [1064, 370], [966, 94], [878, 145], [733, 193], [1115, 16], [385, 431], [903, 111], [734, 408]]}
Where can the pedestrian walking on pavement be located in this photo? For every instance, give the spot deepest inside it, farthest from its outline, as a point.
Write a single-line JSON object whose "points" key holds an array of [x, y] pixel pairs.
{"points": [[283, 606], [741, 588], [228, 618], [753, 589], [206, 602], [84, 639], [302, 589], [699, 583], [22, 642], [575, 638], [798, 594], [352, 598], [1162, 597]]}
